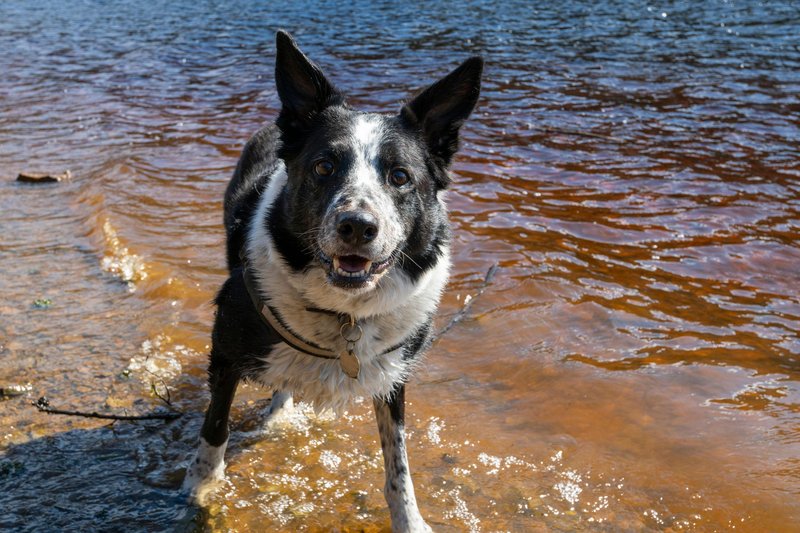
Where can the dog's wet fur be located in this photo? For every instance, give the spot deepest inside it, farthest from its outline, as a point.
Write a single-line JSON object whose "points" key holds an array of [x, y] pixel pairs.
{"points": [[336, 212]]}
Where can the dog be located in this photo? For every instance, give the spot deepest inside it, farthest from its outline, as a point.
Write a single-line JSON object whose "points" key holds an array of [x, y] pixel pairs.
{"points": [[338, 252]]}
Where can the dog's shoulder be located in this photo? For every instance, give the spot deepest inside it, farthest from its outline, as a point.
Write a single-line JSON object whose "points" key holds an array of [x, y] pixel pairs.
{"points": [[239, 332], [258, 161]]}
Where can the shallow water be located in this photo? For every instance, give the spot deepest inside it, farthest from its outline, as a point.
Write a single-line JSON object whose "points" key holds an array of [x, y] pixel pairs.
{"points": [[633, 169]]}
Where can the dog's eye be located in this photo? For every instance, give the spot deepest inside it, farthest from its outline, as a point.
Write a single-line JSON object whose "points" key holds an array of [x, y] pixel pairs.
{"points": [[399, 177], [324, 168]]}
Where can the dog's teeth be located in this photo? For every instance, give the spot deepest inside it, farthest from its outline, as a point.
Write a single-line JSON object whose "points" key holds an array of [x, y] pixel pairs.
{"points": [[337, 267], [345, 273]]}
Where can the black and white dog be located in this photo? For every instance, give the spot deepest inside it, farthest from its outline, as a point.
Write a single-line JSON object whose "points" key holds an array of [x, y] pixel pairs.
{"points": [[338, 251]]}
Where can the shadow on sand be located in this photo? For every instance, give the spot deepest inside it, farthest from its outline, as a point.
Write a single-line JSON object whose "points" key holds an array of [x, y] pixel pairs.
{"points": [[119, 477]]}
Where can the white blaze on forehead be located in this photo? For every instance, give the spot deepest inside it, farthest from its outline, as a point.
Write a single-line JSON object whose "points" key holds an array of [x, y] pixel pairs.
{"points": [[368, 135]]}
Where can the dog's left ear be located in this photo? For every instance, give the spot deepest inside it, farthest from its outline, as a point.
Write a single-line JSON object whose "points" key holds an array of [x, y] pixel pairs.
{"points": [[441, 109], [302, 87]]}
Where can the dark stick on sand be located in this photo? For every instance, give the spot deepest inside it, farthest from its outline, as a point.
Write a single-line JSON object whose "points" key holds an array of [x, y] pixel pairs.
{"points": [[43, 405], [461, 313]]}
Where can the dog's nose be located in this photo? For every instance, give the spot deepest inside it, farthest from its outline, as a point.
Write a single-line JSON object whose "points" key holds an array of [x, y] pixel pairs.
{"points": [[356, 227]]}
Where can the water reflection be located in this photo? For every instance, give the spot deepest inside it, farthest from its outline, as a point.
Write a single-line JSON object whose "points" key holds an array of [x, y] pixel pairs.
{"points": [[632, 168]]}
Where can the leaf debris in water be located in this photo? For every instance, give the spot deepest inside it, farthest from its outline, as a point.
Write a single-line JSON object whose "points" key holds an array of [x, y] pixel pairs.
{"points": [[42, 303]]}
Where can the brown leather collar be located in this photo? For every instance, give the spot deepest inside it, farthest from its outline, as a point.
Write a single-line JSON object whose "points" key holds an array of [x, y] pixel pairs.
{"points": [[347, 359], [277, 325]]}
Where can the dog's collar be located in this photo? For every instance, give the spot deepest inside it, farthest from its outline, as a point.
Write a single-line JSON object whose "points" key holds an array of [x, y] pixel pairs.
{"points": [[349, 329]]}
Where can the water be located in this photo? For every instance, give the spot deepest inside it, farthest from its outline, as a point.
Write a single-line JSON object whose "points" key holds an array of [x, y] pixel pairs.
{"points": [[632, 168]]}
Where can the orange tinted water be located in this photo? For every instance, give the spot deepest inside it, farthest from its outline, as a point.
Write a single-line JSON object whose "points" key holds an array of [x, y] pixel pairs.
{"points": [[634, 365]]}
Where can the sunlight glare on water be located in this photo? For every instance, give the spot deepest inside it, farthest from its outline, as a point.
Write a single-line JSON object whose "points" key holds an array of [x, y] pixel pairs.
{"points": [[633, 170]]}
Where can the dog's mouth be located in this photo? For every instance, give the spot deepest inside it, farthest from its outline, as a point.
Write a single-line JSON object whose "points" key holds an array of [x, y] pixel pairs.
{"points": [[353, 271]]}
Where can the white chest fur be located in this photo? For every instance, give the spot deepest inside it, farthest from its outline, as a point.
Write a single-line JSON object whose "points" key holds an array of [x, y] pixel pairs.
{"points": [[388, 314]]}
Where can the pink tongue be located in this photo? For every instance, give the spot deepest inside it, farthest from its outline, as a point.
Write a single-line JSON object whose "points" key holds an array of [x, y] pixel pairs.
{"points": [[352, 263]]}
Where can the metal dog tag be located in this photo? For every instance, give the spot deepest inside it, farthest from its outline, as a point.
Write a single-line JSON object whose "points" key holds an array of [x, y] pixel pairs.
{"points": [[351, 332], [349, 363]]}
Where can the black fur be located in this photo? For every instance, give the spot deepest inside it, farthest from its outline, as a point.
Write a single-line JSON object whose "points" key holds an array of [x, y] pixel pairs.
{"points": [[258, 160], [304, 92], [316, 124], [294, 249], [397, 406], [240, 334], [313, 122], [419, 341], [423, 136]]}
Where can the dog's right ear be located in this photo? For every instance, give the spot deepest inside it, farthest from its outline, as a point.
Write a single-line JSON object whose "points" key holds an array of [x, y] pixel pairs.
{"points": [[302, 87], [440, 110]]}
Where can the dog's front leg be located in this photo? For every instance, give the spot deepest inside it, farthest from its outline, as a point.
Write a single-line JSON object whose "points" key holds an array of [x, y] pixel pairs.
{"points": [[399, 490], [208, 464]]}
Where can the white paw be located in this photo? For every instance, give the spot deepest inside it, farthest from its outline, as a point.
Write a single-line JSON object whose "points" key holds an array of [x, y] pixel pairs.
{"points": [[419, 527], [205, 472], [281, 410], [280, 402], [412, 523]]}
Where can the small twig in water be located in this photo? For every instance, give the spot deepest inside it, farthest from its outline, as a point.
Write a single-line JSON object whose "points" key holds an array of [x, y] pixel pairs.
{"points": [[43, 405], [441, 380], [154, 389], [468, 301]]}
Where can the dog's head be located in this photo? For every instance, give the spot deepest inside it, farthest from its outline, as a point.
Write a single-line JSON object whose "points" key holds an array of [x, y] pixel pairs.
{"points": [[362, 190]]}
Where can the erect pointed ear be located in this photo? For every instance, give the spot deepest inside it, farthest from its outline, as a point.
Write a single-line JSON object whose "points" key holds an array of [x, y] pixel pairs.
{"points": [[441, 109], [302, 87]]}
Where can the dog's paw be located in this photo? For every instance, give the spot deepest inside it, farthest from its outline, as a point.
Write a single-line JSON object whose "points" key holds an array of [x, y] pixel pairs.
{"points": [[282, 402], [281, 411], [410, 524], [419, 527], [205, 472]]}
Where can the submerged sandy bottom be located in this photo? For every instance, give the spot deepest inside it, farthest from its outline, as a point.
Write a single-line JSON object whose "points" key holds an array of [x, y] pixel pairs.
{"points": [[634, 365]]}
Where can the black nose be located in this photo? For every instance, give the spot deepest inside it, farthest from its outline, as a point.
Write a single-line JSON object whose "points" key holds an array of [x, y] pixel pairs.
{"points": [[356, 227]]}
